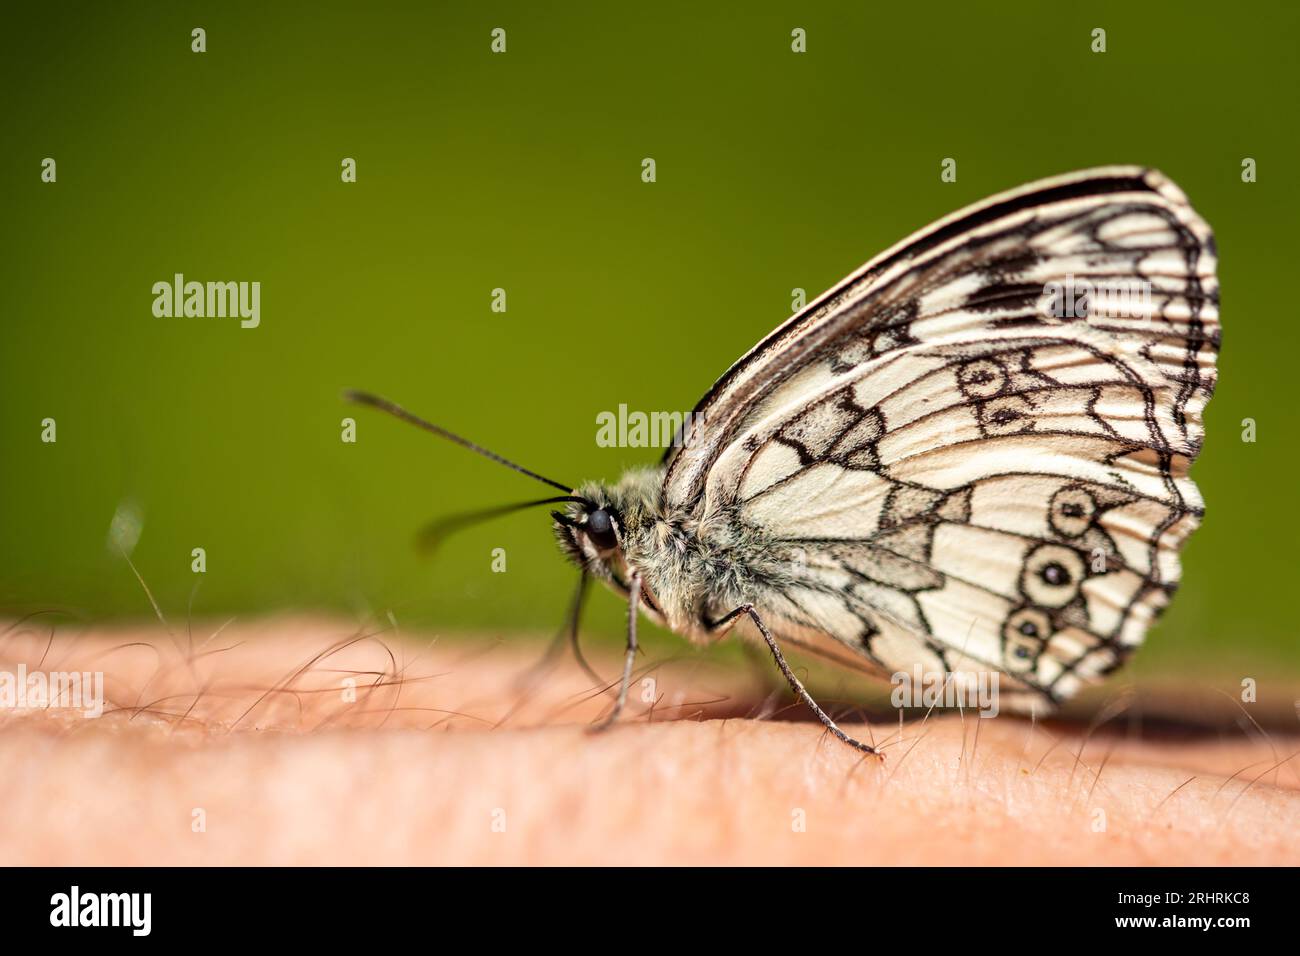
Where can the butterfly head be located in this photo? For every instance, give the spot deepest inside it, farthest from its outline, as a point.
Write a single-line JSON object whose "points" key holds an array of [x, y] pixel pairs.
{"points": [[589, 531], [602, 523]]}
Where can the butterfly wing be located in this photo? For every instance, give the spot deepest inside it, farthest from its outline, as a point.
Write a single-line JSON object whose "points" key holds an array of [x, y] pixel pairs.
{"points": [[973, 452]]}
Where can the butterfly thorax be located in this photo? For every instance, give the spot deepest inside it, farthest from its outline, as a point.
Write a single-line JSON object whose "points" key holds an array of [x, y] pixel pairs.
{"points": [[692, 572]]}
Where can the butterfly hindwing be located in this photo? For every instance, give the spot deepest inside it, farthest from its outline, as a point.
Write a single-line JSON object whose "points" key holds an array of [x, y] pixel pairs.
{"points": [[976, 448]]}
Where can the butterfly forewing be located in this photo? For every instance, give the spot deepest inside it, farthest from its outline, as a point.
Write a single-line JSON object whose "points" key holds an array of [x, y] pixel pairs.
{"points": [[975, 449]]}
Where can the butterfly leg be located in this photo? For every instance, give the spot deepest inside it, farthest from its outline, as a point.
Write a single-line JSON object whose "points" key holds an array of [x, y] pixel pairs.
{"points": [[728, 621], [633, 599]]}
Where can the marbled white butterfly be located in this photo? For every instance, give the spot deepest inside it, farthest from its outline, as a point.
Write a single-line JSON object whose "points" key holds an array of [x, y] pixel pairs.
{"points": [[970, 455]]}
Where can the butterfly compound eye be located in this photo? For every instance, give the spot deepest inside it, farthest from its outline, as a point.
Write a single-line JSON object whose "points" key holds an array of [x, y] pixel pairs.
{"points": [[600, 529]]}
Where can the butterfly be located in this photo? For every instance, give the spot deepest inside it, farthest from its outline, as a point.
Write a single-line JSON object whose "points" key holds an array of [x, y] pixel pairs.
{"points": [[970, 456]]}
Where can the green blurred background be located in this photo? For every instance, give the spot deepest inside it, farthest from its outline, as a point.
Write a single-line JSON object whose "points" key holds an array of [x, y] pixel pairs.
{"points": [[775, 170]]}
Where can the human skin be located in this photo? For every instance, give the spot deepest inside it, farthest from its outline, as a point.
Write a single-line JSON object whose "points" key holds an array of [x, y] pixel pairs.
{"points": [[293, 741]]}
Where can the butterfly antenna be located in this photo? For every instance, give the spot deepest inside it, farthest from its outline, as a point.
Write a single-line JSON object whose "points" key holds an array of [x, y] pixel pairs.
{"points": [[435, 532], [397, 411]]}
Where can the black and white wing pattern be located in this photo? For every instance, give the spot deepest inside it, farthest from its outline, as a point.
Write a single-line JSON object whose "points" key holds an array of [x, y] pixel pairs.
{"points": [[975, 449]]}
